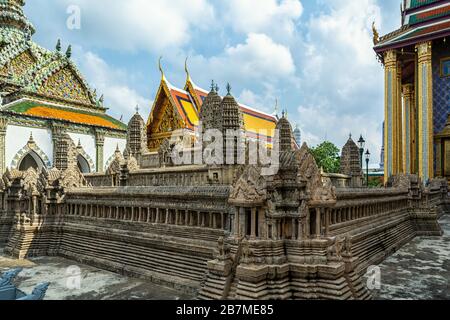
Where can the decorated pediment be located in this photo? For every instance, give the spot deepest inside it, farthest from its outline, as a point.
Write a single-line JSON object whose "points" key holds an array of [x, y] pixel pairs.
{"points": [[164, 117], [318, 188], [250, 188], [66, 85], [163, 120], [21, 64]]}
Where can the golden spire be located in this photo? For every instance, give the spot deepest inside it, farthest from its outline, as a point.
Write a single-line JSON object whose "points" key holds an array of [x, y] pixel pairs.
{"points": [[188, 76], [163, 77], [376, 36]]}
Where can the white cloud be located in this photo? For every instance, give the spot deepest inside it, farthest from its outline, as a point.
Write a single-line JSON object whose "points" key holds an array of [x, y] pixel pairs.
{"points": [[268, 16], [135, 24], [259, 59], [341, 81], [111, 82]]}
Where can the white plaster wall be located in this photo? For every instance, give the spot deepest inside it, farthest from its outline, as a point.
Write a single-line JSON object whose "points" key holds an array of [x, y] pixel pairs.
{"points": [[17, 138], [88, 144], [110, 147]]}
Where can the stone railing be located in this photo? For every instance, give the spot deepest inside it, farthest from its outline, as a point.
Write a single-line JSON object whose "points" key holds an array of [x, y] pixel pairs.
{"points": [[356, 207], [170, 176], [176, 176], [200, 207]]}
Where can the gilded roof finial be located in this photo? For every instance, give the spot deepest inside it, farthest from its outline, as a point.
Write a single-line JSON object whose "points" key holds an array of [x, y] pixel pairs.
{"points": [[58, 45], [376, 35], [217, 88], [188, 76], [213, 86], [163, 77], [69, 51], [228, 89], [137, 108], [31, 139]]}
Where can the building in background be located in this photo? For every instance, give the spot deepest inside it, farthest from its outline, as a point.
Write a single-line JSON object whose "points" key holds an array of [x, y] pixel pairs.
{"points": [[46, 104], [298, 135], [176, 113], [416, 58]]}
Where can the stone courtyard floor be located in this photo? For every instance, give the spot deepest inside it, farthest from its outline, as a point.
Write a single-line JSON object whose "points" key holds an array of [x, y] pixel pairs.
{"points": [[419, 271], [95, 284]]}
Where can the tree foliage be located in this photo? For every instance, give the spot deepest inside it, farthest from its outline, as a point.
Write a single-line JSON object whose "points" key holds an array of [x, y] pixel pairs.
{"points": [[327, 157]]}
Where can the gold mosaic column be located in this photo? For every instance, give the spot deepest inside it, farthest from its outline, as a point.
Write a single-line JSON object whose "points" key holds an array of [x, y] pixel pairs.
{"points": [[399, 119], [390, 114], [408, 133], [425, 111], [3, 126]]}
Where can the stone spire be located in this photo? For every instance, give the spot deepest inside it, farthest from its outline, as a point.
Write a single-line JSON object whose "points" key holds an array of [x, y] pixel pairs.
{"points": [[231, 113], [351, 163], [13, 22], [210, 113], [137, 136], [232, 129], [284, 130]]}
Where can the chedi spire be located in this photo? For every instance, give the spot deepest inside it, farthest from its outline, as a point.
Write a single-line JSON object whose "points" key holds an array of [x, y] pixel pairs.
{"points": [[13, 22]]}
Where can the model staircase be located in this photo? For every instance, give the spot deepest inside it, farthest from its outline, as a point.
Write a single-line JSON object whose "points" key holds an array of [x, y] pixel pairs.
{"points": [[233, 289]]}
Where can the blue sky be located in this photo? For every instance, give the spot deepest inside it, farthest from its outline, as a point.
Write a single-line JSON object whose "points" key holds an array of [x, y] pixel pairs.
{"points": [[314, 56]]}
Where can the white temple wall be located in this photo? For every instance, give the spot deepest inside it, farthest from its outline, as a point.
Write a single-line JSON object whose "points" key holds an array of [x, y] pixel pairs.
{"points": [[110, 147], [17, 137], [88, 144]]}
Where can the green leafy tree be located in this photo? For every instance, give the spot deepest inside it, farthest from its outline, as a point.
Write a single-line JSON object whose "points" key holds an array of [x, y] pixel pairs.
{"points": [[327, 157]]}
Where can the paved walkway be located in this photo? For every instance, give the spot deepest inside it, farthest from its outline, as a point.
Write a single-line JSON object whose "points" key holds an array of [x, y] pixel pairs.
{"points": [[95, 284], [418, 271]]}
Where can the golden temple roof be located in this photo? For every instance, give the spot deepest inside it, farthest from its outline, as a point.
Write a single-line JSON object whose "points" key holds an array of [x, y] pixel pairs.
{"points": [[188, 103]]}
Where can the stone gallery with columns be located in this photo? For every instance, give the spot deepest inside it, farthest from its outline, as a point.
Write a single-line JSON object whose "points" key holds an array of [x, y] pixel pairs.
{"points": [[416, 58], [45, 104]]}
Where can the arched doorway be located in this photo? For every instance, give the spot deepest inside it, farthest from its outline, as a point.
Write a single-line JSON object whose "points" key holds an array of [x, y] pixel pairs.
{"points": [[31, 160], [83, 164]]}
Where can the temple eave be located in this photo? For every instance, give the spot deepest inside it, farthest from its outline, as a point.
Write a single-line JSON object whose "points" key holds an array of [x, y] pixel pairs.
{"points": [[380, 48]]}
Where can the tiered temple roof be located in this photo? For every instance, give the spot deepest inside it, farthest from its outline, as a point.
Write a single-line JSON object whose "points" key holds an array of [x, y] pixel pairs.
{"points": [[187, 103], [41, 83], [422, 20]]}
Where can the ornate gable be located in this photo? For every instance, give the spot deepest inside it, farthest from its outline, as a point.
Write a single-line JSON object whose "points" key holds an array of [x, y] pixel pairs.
{"points": [[66, 85], [319, 189], [164, 119], [250, 188], [21, 64]]}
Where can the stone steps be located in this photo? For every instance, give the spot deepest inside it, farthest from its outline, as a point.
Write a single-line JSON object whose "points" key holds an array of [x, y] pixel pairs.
{"points": [[167, 262]]}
